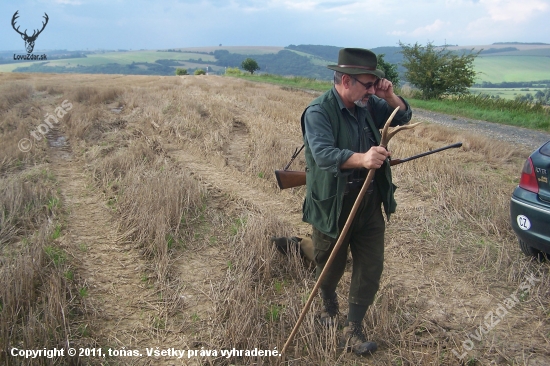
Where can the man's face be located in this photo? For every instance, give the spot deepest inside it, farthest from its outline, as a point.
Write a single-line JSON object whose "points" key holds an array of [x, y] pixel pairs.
{"points": [[361, 88]]}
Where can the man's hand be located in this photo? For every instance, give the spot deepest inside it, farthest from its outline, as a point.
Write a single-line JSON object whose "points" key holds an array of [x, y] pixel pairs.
{"points": [[372, 159], [375, 157], [384, 90]]}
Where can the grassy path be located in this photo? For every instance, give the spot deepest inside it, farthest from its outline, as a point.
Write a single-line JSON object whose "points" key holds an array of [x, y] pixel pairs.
{"points": [[111, 269]]}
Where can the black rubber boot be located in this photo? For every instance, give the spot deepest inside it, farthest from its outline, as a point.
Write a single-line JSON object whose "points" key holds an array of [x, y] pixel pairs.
{"points": [[287, 245], [354, 340]]}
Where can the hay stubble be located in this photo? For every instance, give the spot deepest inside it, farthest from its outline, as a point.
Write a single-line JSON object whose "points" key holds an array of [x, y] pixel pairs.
{"points": [[185, 166]]}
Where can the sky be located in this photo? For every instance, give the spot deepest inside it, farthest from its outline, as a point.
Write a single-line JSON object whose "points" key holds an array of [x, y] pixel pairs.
{"points": [[138, 24]]}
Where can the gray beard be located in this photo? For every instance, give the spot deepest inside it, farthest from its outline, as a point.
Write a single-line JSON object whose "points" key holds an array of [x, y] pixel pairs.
{"points": [[360, 103]]}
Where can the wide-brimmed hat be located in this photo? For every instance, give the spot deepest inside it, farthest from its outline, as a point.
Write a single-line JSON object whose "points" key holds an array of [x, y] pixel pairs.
{"points": [[355, 61]]}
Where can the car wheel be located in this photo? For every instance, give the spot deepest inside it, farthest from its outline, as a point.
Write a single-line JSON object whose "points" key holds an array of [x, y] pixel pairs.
{"points": [[532, 252]]}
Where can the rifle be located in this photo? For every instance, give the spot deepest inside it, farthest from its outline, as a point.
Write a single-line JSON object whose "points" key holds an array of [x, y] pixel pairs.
{"points": [[295, 178]]}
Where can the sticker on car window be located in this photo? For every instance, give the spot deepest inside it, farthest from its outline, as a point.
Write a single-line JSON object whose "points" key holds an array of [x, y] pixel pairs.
{"points": [[523, 222]]}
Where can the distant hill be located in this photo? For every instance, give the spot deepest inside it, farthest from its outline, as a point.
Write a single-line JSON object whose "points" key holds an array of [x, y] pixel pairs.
{"points": [[329, 53], [497, 63], [525, 43]]}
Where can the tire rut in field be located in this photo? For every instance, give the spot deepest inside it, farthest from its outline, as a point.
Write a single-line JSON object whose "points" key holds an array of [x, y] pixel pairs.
{"points": [[237, 148], [111, 271], [283, 206]]}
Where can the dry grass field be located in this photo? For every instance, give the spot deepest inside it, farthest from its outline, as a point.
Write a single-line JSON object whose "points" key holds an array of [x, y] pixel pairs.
{"points": [[139, 222]]}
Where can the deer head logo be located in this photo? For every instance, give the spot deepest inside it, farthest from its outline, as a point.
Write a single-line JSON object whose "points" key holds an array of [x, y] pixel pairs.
{"points": [[29, 40]]}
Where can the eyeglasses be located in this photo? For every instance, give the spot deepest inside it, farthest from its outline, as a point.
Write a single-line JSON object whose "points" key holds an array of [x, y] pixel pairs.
{"points": [[368, 85]]}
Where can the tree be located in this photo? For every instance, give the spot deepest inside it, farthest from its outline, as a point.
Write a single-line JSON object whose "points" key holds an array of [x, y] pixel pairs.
{"points": [[389, 69], [200, 72], [250, 65], [438, 72], [180, 71]]}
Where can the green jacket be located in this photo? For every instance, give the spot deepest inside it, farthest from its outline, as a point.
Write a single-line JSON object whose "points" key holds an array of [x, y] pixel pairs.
{"points": [[325, 187]]}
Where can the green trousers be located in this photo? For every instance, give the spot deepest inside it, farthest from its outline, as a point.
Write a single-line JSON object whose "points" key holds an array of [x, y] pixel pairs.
{"points": [[365, 239]]}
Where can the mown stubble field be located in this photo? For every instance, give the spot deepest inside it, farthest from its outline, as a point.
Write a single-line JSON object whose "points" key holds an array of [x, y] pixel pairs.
{"points": [[142, 219]]}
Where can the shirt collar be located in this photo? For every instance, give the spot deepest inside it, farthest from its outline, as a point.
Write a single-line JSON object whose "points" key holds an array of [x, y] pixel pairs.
{"points": [[338, 98]]}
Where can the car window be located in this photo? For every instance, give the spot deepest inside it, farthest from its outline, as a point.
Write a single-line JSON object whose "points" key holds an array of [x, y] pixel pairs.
{"points": [[545, 149]]}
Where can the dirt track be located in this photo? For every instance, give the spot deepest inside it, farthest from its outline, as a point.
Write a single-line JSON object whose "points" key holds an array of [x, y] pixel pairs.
{"points": [[515, 135]]}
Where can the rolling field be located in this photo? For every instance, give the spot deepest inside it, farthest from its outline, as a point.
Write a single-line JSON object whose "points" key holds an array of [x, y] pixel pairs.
{"points": [[142, 220], [124, 58], [129, 57], [496, 69], [506, 93], [316, 60]]}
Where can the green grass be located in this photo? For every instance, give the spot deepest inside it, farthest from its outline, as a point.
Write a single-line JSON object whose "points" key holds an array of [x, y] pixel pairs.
{"points": [[237, 225], [53, 203], [278, 286], [288, 81], [56, 232], [273, 314], [493, 110], [55, 254]]}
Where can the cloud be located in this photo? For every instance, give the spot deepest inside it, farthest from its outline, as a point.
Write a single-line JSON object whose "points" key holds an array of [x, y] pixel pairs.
{"points": [[429, 29], [339, 6], [68, 2], [300, 5], [501, 20], [397, 33], [512, 10], [79, 24]]}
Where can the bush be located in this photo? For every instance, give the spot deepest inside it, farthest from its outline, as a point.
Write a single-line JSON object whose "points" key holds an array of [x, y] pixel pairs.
{"points": [[438, 72], [180, 71], [200, 72], [233, 71]]}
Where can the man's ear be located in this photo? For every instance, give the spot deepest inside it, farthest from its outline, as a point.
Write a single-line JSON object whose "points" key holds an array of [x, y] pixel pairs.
{"points": [[347, 81]]}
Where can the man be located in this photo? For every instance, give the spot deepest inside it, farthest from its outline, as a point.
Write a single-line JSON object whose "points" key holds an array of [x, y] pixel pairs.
{"points": [[341, 137]]}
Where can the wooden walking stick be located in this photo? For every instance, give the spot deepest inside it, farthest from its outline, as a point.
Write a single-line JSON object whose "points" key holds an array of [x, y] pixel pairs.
{"points": [[386, 136]]}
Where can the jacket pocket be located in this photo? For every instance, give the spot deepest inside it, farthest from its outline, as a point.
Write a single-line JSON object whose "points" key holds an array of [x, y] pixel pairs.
{"points": [[323, 214]]}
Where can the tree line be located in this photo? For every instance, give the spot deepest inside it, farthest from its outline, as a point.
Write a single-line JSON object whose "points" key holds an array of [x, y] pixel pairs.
{"points": [[284, 62], [513, 84], [541, 97]]}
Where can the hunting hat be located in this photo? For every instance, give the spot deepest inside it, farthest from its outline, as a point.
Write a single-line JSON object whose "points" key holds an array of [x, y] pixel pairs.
{"points": [[355, 61]]}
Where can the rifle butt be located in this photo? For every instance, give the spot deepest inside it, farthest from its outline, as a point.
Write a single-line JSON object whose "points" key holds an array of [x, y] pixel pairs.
{"points": [[290, 178]]}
